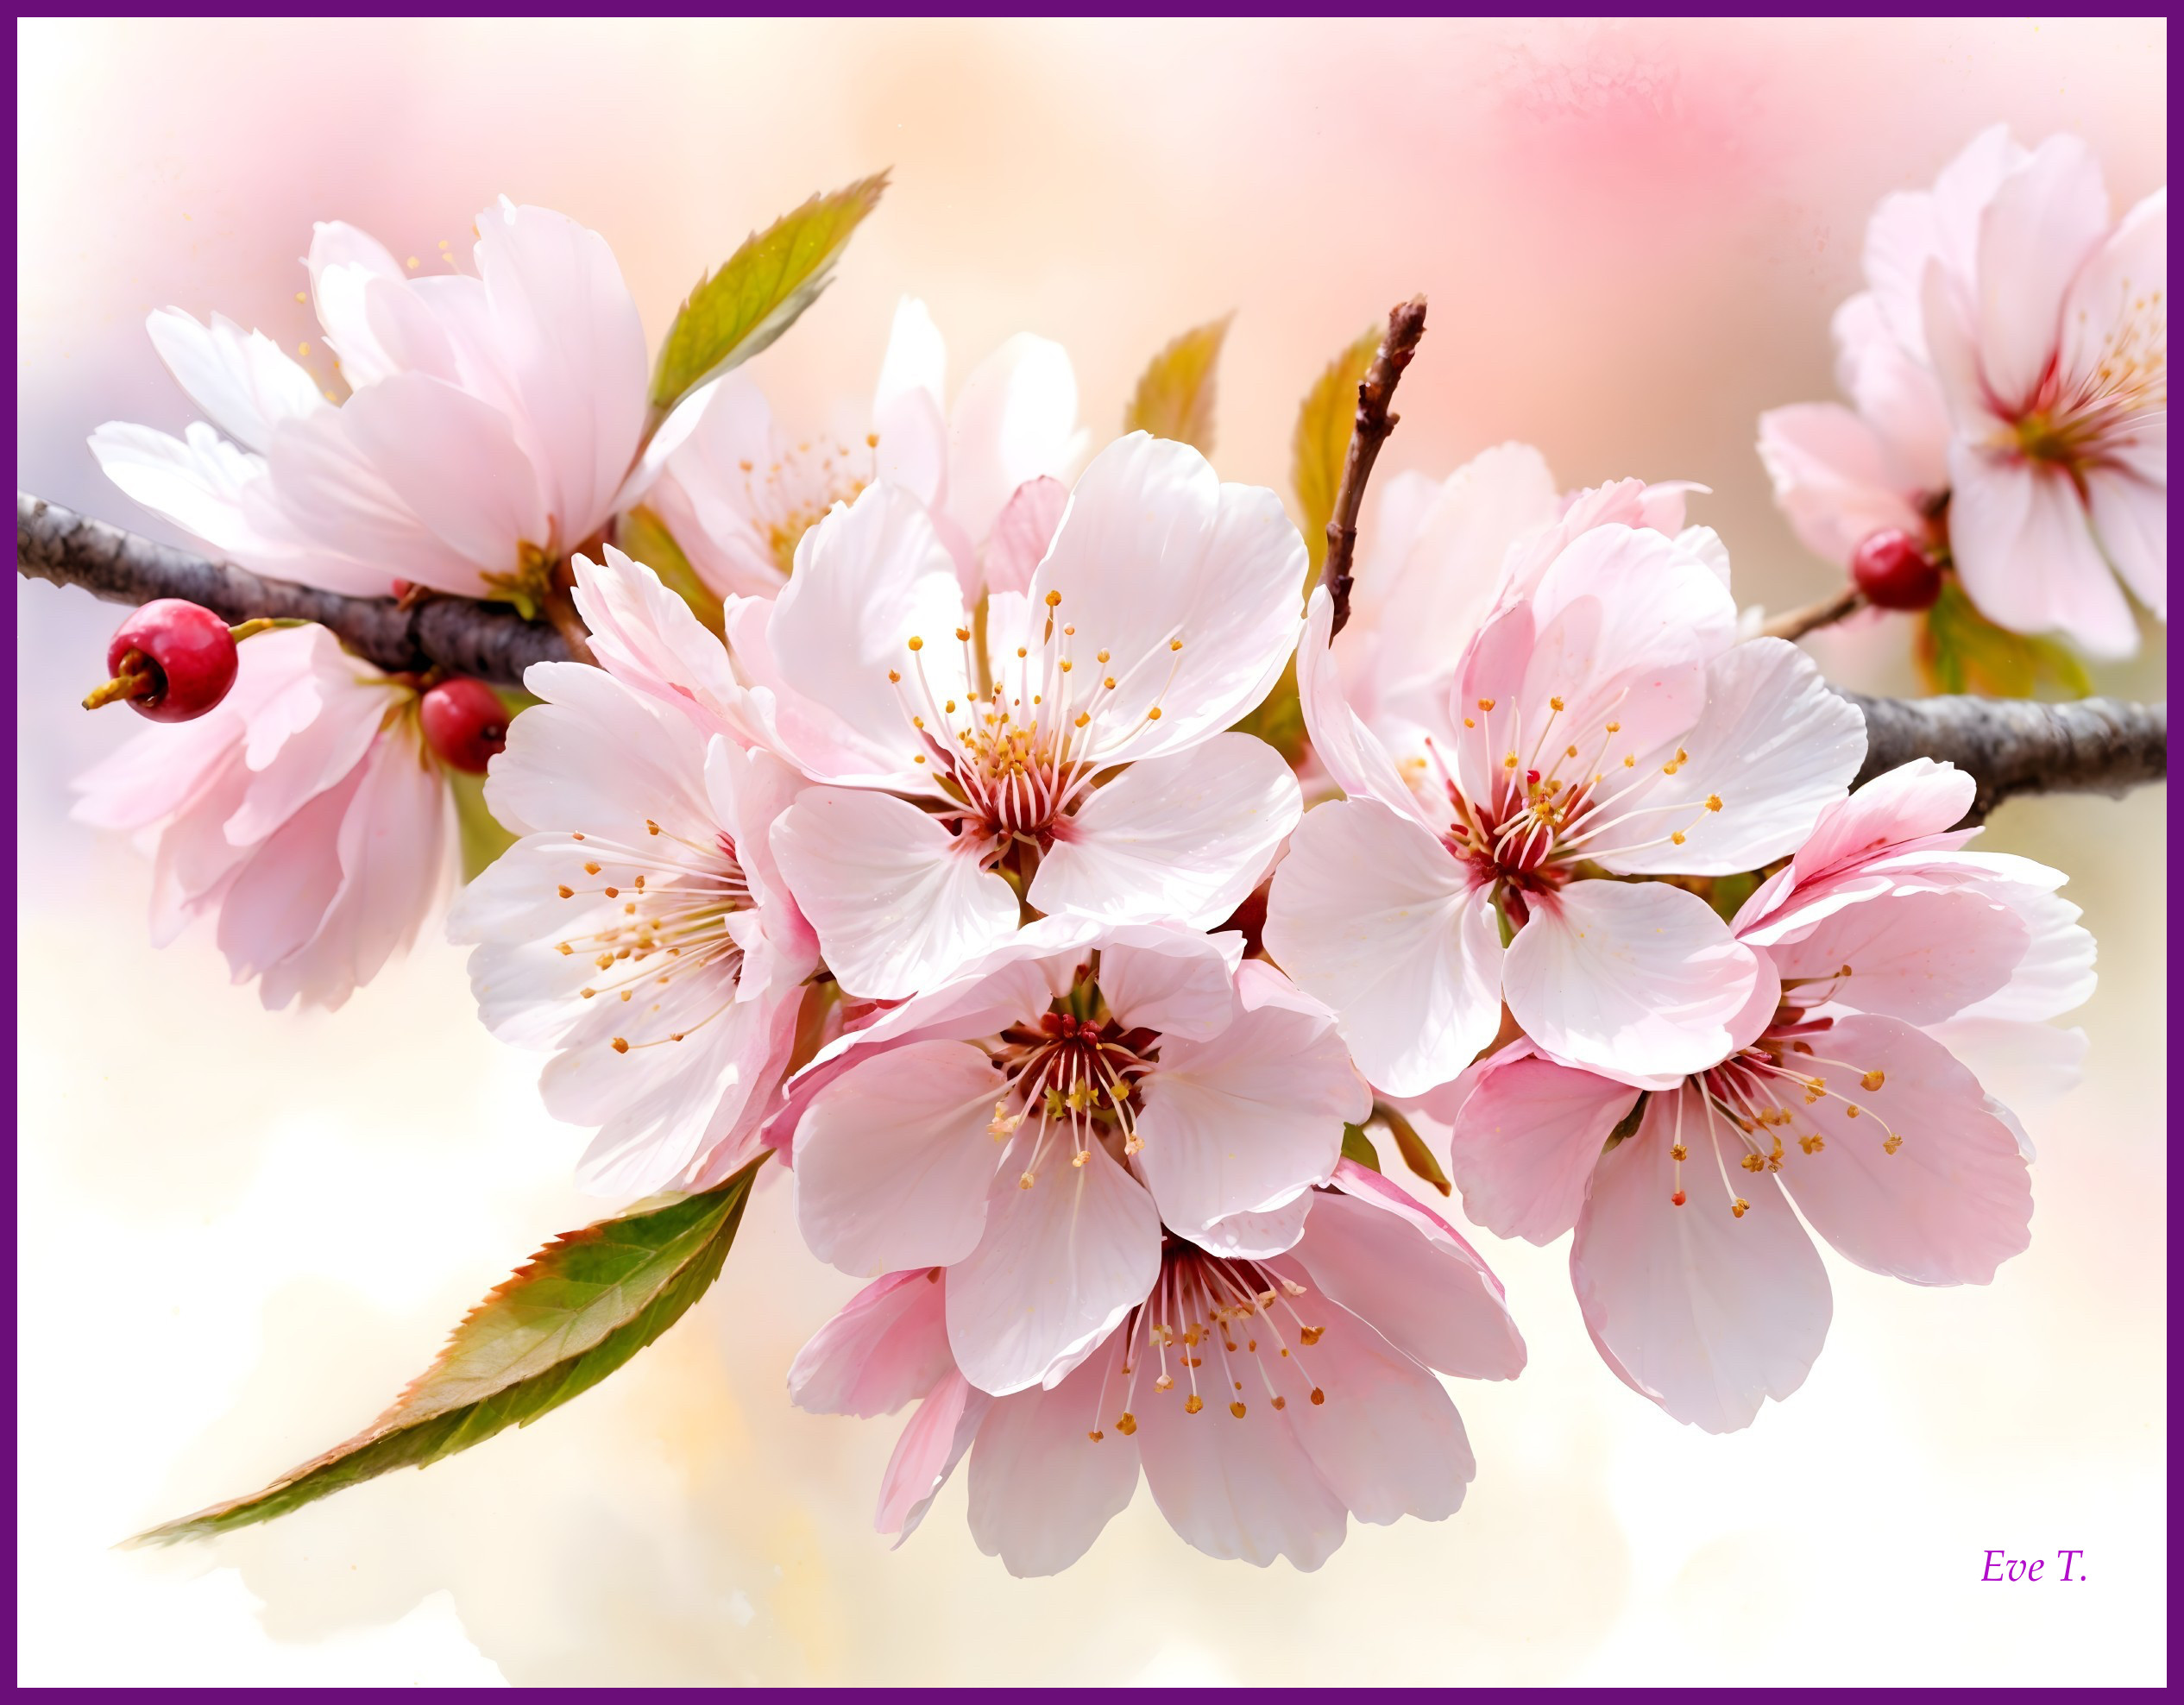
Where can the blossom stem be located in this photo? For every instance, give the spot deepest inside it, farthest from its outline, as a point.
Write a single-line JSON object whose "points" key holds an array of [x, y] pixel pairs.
{"points": [[1406, 325], [1796, 624]]}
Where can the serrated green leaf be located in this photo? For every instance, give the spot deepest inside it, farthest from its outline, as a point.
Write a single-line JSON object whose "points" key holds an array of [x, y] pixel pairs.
{"points": [[479, 832], [1358, 1146], [642, 535], [1960, 650], [1411, 1146], [1321, 443], [1174, 395], [581, 1308], [754, 298]]}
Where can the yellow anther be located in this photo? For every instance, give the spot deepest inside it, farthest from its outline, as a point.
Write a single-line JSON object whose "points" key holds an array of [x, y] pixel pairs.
{"points": [[1892, 1144], [1167, 1381], [1630, 763], [1109, 684], [1192, 1404], [1175, 645], [1469, 723], [566, 891], [1753, 1163], [1486, 704], [1282, 1403], [1067, 665], [1813, 1144], [1679, 1153], [1080, 1157], [651, 827], [1569, 751], [1677, 835], [1310, 1335], [1021, 652], [1083, 718], [1615, 727], [1025, 1182], [616, 894], [963, 633], [1873, 1080], [622, 1045], [1237, 1409], [1554, 704], [588, 993], [1053, 599], [1510, 762], [1127, 1424], [1850, 1109], [1154, 714], [1714, 802], [1318, 1395], [1740, 1207], [591, 869], [1095, 1434], [917, 643], [893, 675], [1104, 656]]}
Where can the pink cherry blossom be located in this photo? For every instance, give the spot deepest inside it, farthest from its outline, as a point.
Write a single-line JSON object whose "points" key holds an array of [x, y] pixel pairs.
{"points": [[2009, 366], [492, 420], [740, 494], [1266, 1398], [303, 813], [1061, 749], [1602, 716], [640, 929], [1840, 1095], [1032, 1122]]}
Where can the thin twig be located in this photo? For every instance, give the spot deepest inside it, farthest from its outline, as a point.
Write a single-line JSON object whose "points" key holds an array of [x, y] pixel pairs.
{"points": [[2010, 746], [1406, 325], [456, 635], [1796, 624]]}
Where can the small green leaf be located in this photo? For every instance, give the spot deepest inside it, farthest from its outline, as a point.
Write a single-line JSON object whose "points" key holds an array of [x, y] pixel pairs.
{"points": [[1411, 1146], [482, 838], [1358, 1146], [1321, 441], [1960, 650], [642, 535], [584, 1304], [1174, 395], [1279, 719], [775, 275]]}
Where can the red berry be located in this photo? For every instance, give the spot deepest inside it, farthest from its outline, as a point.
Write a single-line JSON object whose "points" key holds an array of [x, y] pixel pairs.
{"points": [[187, 650], [465, 722], [1894, 572]]}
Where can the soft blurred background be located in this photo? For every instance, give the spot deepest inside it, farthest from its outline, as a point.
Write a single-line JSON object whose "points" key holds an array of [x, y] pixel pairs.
{"points": [[239, 1232]]}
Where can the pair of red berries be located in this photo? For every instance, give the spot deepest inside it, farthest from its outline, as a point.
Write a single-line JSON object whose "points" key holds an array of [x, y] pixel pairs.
{"points": [[173, 661], [1894, 572]]}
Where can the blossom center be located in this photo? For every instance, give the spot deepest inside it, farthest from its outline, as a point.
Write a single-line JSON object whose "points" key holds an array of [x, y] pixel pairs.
{"points": [[1074, 1074], [1237, 1315], [660, 918], [792, 493]]}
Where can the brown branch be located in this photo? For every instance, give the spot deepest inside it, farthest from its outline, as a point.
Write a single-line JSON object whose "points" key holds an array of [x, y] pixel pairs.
{"points": [[456, 635], [2009, 745], [1406, 325], [1796, 624]]}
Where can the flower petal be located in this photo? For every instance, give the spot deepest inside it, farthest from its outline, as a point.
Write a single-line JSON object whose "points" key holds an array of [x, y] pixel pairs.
{"points": [[1051, 1469], [925, 1455], [1526, 1142], [1370, 1247], [1954, 1199], [1920, 957], [1370, 913], [1630, 979], [888, 1344], [1061, 1262], [1015, 420], [893, 1159], [1176, 981], [2026, 553], [1706, 1313], [1021, 532], [1832, 477], [2048, 216], [898, 901], [1186, 836]]}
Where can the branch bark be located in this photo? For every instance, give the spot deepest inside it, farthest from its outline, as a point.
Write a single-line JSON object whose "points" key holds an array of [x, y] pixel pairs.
{"points": [[456, 635], [1406, 325], [1796, 624], [2009, 746]]}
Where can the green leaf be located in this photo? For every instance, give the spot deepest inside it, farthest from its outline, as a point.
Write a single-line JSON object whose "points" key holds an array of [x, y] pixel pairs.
{"points": [[1960, 650], [644, 536], [1279, 718], [1411, 1146], [775, 275], [1174, 395], [1321, 443], [1358, 1146], [584, 1304], [482, 838]]}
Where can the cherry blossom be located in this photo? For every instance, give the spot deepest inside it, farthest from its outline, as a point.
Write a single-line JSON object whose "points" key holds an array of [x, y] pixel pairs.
{"points": [[2009, 369], [303, 813], [1061, 749], [640, 931], [492, 420], [1035, 1122], [1838, 1095], [740, 494], [1602, 721], [1266, 1397]]}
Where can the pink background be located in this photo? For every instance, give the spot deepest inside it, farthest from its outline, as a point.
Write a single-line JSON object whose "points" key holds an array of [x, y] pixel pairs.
{"points": [[240, 1231]]}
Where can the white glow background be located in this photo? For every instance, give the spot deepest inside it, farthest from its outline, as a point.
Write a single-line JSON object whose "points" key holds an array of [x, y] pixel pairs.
{"points": [[240, 1232]]}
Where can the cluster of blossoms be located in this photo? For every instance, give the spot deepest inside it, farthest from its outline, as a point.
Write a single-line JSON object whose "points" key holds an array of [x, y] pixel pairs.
{"points": [[936, 869], [2008, 371]]}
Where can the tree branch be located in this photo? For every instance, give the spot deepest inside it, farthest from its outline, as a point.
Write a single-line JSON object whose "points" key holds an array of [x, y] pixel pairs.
{"points": [[1406, 325], [456, 635], [2009, 746], [1796, 624]]}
